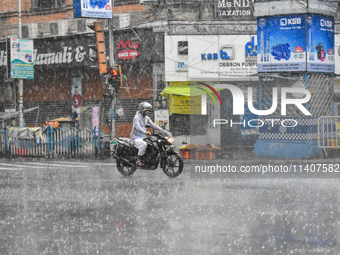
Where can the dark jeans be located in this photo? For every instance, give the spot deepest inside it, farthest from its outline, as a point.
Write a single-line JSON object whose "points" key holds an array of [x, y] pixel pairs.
{"points": [[74, 116]]}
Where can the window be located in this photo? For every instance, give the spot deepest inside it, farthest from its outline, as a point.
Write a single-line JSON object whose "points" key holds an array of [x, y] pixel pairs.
{"points": [[47, 4]]}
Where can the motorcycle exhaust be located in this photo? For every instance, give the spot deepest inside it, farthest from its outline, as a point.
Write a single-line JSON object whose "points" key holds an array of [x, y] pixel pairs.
{"points": [[116, 157], [124, 160]]}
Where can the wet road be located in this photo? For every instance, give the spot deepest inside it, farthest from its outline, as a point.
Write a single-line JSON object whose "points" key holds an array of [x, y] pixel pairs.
{"points": [[70, 207]]}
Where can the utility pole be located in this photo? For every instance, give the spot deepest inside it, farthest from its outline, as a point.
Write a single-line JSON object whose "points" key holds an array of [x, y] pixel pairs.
{"points": [[20, 81], [112, 63]]}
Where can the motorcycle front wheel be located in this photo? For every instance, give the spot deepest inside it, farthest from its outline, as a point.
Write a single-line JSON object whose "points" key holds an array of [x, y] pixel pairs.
{"points": [[172, 165], [124, 168]]}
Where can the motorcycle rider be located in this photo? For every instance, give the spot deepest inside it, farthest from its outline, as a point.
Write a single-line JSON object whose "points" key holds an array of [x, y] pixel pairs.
{"points": [[139, 131]]}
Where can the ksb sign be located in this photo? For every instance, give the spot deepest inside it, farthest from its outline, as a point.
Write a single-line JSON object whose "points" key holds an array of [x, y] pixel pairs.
{"points": [[227, 52]]}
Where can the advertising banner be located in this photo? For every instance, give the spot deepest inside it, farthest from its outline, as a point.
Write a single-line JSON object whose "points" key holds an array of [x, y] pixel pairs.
{"points": [[281, 43], [211, 58], [21, 58], [296, 43], [92, 9], [320, 43]]}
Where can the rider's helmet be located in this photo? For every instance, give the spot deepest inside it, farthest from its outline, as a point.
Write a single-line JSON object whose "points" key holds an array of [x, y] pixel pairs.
{"points": [[144, 106]]}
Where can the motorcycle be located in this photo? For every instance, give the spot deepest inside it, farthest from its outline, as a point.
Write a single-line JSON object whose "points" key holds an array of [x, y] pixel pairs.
{"points": [[160, 150]]}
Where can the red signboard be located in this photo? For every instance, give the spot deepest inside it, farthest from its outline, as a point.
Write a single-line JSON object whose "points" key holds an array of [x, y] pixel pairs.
{"points": [[128, 54], [139, 46]]}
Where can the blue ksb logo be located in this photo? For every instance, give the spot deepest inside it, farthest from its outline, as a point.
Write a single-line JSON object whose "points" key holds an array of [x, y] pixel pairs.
{"points": [[214, 56], [251, 48]]}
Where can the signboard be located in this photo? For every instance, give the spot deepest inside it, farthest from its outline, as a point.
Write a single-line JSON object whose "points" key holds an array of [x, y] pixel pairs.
{"points": [[211, 57], [234, 9], [295, 43], [320, 44], [185, 104], [73, 51], [21, 62], [92, 9], [281, 43], [141, 46]]}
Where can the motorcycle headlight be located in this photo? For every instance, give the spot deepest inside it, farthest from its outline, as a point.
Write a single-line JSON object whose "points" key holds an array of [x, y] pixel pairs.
{"points": [[170, 140]]}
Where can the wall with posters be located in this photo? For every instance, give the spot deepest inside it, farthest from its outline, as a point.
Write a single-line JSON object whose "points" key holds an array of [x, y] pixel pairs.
{"points": [[298, 42]]}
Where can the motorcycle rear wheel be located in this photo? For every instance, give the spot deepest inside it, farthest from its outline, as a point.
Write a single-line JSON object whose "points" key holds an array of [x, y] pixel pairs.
{"points": [[124, 168], [173, 165]]}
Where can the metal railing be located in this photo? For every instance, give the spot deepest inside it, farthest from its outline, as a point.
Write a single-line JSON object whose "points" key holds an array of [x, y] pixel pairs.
{"points": [[71, 142], [329, 132]]}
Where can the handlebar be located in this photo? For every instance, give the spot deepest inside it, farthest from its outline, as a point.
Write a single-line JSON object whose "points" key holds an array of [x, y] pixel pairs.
{"points": [[156, 134]]}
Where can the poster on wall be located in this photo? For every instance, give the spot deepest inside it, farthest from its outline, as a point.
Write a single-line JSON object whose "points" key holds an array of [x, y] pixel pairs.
{"points": [[92, 9], [21, 63], [95, 117], [162, 118], [281, 43], [185, 104], [160, 102], [76, 97], [320, 43]]}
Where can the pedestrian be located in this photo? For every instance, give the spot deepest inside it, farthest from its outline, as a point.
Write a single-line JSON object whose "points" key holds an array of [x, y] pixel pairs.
{"points": [[76, 102]]}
